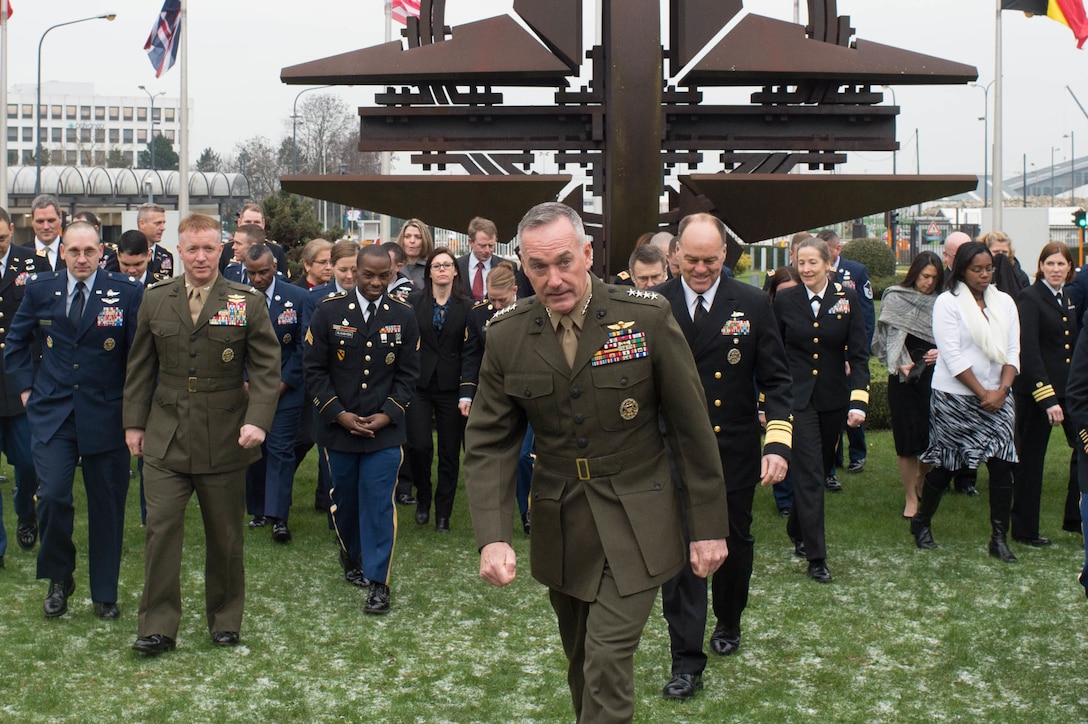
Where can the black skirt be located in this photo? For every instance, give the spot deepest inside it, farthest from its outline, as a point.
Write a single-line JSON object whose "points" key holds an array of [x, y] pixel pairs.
{"points": [[908, 403]]}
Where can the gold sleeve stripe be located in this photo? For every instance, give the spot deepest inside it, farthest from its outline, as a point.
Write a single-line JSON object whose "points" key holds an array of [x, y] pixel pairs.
{"points": [[762, 398], [326, 404], [859, 396], [1043, 392], [309, 337], [399, 406], [780, 425], [779, 437]]}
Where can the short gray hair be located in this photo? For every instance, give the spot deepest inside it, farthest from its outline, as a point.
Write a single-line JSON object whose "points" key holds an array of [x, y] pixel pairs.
{"points": [[44, 201], [549, 212]]}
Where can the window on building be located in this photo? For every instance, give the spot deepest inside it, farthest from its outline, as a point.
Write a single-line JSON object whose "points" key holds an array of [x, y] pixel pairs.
{"points": [[13, 133], [127, 135], [170, 114], [129, 158], [70, 135], [84, 158], [99, 158], [28, 158], [100, 113], [13, 110], [43, 111], [85, 135], [100, 135], [156, 114], [56, 135], [141, 135], [70, 158], [84, 113], [115, 135], [141, 114], [115, 113], [126, 112], [169, 133], [70, 113], [56, 112], [28, 110], [28, 134], [56, 157]]}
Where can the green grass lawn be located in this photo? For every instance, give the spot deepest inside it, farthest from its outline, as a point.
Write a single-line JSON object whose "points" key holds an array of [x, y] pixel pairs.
{"points": [[900, 635]]}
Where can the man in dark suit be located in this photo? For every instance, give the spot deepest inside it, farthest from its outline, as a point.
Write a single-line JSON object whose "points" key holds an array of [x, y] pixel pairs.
{"points": [[593, 368], [474, 267], [364, 335], [269, 480], [134, 257], [46, 220], [738, 351], [151, 220], [86, 320], [203, 381], [14, 429], [251, 214]]}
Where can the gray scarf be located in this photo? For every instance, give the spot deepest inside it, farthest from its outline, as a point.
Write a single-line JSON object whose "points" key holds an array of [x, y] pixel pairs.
{"points": [[903, 311]]}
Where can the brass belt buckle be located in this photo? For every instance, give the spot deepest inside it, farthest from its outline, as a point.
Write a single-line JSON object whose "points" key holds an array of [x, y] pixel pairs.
{"points": [[583, 468], [192, 384]]}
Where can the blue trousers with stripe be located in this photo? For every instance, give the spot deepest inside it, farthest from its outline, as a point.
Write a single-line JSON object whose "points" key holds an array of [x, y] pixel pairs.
{"points": [[363, 485]]}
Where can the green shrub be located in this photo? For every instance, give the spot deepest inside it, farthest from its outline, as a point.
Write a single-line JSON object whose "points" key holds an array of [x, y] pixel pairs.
{"points": [[879, 284], [879, 416], [874, 254], [743, 264]]}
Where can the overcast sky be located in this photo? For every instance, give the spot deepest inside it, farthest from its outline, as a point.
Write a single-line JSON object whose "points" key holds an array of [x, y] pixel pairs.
{"points": [[238, 47]]}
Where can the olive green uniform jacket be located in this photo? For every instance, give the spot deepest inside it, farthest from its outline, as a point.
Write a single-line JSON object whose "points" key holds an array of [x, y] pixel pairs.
{"points": [[602, 491]]}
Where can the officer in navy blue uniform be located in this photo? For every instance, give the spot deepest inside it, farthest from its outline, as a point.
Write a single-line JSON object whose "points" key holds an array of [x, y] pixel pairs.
{"points": [[738, 351], [361, 364], [245, 238], [269, 480], [15, 264], [86, 319]]}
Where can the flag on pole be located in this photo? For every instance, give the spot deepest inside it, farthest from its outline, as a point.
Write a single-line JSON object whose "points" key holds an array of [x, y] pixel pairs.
{"points": [[162, 44], [403, 9], [1070, 13], [7, 11]]}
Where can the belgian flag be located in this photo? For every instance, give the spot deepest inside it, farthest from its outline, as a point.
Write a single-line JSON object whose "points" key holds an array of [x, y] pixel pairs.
{"points": [[1067, 12]]}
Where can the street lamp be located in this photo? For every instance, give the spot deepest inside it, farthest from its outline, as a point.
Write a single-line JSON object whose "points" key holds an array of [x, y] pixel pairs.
{"points": [[38, 98], [1072, 169], [294, 125], [896, 104], [985, 140], [151, 121], [1052, 150]]}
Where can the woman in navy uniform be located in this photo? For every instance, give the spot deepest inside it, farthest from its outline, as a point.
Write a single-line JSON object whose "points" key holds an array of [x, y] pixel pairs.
{"points": [[442, 310], [1049, 328], [828, 351]]}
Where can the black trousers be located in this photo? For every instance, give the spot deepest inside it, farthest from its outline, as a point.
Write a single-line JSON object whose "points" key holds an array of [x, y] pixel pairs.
{"points": [[1032, 437], [683, 599], [815, 434], [441, 407]]}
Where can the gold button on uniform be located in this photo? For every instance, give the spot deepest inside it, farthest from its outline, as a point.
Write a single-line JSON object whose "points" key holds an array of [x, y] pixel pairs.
{"points": [[717, 375], [815, 372], [717, 428], [815, 356], [717, 403]]}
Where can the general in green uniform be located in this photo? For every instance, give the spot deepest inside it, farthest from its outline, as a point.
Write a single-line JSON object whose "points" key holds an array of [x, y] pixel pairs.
{"points": [[189, 411], [592, 368]]}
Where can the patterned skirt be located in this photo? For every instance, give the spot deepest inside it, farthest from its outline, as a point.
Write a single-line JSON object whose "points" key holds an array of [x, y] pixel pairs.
{"points": [[963, 435]]}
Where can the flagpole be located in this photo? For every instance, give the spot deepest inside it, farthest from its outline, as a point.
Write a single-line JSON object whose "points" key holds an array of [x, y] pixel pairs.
{"points": [[999, 186], [387, 157], [3, 105], [183, 156]]}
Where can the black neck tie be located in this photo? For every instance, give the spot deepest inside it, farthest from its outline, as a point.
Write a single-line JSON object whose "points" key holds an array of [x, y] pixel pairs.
{"points": [[700, 312], [371, 310], [1061, 301], [75, 312]]}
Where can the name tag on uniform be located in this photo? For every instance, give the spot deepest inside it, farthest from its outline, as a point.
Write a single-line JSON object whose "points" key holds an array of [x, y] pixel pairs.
{"points": [[343, 330], [111, 317], [233, 316], [287, 316], [737, 328], [622, 345], [841, 307], [390, 333]]}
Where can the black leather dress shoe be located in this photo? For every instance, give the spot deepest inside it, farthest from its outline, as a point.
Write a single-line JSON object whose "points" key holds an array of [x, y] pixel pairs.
{"points": [[1036, 542], [970, 491], [154, 644], [682, 686], [724, 642], [441, 525], [259, 521], [833, 485], [423, 517], [353, 572], [798, 547], [1, 561], [377, 601], [817, 571], [27, 535], [56, 602], [225, 638], [106, 610], [406, 499], [280, 532]]}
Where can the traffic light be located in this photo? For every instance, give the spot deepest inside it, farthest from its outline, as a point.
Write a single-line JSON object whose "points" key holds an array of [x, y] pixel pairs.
{"points": [[893, 217], [1080, 218]]}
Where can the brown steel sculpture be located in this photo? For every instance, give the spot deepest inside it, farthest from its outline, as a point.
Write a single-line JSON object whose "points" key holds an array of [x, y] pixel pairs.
{"points": [[638, 133]]}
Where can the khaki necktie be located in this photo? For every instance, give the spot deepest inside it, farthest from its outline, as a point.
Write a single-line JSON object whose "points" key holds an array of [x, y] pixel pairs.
{"points": [[196, 303], [568, 339]]}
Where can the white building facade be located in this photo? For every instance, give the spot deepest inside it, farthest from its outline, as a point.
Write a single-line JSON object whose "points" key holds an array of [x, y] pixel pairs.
{"points": [[80, 128]]}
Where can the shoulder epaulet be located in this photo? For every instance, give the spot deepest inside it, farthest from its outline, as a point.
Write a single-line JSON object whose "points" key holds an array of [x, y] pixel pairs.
{"points": [[624, 275], [160, 283], [44, 276], [641, 296], [838, 288], [517, 307], [398, 301], [238, 286], [770, 273], [335, 295], [119, 277], [478, 305]]}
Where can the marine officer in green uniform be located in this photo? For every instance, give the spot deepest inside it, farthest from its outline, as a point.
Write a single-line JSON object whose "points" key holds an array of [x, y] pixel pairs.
{"points": [[592, 367], [197, 422]]}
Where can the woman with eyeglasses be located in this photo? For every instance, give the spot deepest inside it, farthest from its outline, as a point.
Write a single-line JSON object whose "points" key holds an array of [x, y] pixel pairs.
{"points": [[316, 264], [442, 310], [977, 331]]}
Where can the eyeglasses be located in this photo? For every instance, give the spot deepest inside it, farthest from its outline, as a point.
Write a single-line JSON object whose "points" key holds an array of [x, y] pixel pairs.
{"points": [[443, 266]]}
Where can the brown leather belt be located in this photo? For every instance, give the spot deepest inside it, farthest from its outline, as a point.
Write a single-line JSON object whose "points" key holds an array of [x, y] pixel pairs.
{"points": [[199, 384]]}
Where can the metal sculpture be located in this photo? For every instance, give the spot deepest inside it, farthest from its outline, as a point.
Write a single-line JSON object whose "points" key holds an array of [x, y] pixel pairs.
{"points": [[633, 129]]}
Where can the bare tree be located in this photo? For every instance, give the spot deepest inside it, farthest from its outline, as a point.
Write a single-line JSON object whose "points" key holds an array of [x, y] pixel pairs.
{"points": [[324, 122], [258, 160]]}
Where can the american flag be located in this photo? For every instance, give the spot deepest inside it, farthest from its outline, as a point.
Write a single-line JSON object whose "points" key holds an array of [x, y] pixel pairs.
{"points": [[403, 9], [162, 43], [7, 10]]}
